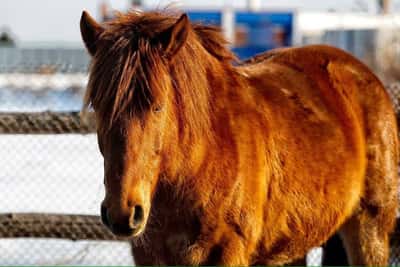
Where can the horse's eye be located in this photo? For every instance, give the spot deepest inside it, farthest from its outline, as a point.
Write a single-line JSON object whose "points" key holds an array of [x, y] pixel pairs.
{"points": [[157, 108]]}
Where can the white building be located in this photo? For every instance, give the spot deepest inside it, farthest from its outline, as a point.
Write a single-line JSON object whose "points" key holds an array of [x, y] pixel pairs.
{"points": [[373, 38]]}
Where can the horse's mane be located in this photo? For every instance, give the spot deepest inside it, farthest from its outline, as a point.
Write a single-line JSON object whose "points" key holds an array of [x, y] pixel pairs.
{"points": [[128, 69]]}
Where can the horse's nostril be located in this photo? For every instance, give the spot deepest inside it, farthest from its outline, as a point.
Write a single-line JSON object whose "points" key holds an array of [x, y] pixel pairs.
{"points": [[104, 216], [138, 216]]}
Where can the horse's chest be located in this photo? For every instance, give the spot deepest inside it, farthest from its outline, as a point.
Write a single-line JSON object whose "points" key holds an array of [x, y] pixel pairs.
{"points": [[170, 243], [172, 230], [177, 242]]}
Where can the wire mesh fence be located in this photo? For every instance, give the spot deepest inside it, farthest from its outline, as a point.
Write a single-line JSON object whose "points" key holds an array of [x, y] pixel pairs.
{"points": [[51, 169], [58, 174]]}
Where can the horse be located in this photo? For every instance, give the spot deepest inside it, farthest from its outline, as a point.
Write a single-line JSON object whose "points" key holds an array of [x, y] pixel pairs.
{"points": [[212, 161]]}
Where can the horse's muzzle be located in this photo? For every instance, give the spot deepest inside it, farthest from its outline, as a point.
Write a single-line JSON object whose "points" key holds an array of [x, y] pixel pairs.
{"points": [[131, 225]]}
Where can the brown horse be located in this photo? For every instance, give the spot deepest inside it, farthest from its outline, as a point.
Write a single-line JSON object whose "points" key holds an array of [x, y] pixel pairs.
{"points": [[208, 162]]}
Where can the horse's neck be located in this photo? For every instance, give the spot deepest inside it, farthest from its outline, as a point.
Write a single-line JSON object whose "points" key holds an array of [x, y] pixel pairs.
{"points": [[222, 84], [195, 168]]}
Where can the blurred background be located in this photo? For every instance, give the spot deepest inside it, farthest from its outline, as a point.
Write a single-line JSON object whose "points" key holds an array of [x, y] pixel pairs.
{"points": [[51, 180]]}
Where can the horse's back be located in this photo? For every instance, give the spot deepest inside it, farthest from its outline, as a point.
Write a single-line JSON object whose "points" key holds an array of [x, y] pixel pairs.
{"points": [[324, 106]]}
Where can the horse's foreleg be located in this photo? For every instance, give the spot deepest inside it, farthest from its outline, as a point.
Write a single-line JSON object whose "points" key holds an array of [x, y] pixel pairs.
{"points": [[198, 252], [227, 252], [233, 252]]}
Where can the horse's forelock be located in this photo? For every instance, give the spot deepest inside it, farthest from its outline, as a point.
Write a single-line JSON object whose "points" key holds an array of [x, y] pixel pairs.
{"points": [[122, 85]]}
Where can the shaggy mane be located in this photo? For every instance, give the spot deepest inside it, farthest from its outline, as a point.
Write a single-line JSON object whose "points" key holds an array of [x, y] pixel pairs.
{"points": [[129, 71]]}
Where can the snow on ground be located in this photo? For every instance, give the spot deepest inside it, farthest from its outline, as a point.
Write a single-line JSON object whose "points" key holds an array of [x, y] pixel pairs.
{"points": [[25, 100], [63, 252], [55, 174], [50, 173], [36, 82]]}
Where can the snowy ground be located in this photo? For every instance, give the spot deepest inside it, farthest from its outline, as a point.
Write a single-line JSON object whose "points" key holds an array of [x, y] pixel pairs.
{"points": [[36, 82], [14, 100], [55, 174]]}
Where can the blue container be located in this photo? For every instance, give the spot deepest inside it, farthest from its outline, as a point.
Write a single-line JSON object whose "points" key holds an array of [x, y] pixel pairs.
{"points": [[255, 32]]}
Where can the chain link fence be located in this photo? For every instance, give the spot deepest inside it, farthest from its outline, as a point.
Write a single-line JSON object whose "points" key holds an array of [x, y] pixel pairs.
{"points": [[54, 174], [51, 169], [51, 174]]}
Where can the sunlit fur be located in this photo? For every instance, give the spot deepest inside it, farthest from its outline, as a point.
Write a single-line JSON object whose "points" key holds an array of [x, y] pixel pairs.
{"points": [[243, 164]]}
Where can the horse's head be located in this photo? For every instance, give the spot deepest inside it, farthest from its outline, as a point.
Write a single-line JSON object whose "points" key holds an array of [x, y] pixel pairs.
{"points": [[150, 95]]}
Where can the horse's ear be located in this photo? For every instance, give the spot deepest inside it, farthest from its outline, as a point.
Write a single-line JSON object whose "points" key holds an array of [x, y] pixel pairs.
{"points": [[90, 31], [175, 36]]}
